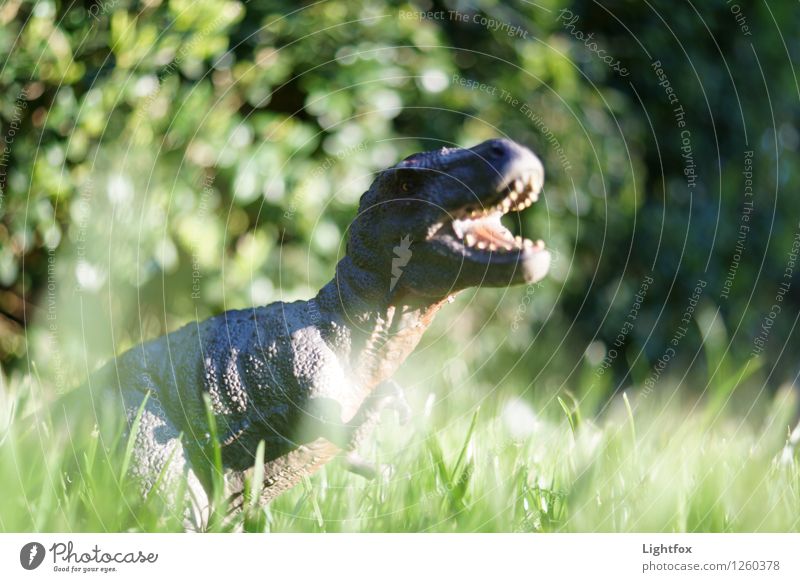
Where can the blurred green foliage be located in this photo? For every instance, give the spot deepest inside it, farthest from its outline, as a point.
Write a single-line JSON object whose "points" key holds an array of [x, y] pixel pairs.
{"points": [[166, 160]]}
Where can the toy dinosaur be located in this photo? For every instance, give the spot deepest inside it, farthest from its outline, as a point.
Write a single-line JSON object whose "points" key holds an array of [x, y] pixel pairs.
{"points": [[310, 378]]}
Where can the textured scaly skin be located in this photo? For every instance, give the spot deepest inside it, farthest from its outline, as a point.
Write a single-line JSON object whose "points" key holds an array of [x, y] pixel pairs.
{"points": [[284, 373]]}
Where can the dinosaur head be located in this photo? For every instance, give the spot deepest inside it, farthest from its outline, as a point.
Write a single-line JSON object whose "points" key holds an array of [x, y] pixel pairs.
{"points": [[431, 223]]}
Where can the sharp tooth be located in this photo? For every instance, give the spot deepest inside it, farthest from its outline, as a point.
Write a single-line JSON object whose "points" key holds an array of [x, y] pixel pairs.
{"points": [[518, 240], [528, 202], [513, 196], [481, 245], [539, 244], [528, 243], [470, 239], [492, 247], [518, 185]]}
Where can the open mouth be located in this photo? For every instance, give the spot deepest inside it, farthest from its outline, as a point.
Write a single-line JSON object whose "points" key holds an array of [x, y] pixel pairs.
{"points": [[479, 227]]}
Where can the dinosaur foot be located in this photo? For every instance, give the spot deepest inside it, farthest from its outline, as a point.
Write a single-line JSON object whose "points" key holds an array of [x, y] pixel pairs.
{"points": [[396, 400], [355, 463]]}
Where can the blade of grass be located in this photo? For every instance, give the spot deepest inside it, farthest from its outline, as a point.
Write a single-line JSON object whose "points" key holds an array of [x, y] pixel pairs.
{"points": [[165, 468], [462, 453], [254, 519], [630, 418], [257, 478], [435, 451], [568, 414], [213, 453], [312, 497], [126, 459]]}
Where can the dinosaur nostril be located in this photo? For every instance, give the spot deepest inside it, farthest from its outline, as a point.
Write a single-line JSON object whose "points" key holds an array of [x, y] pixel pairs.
{"points": [[497, 149]]}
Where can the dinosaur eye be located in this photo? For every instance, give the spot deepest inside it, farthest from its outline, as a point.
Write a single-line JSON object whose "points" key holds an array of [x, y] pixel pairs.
{"points": [[405, 186]]}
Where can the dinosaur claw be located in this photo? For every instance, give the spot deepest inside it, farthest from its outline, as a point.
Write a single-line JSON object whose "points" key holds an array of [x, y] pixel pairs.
{"points": [[386, 472], [397, 402], [355, 463], [403, 411]]}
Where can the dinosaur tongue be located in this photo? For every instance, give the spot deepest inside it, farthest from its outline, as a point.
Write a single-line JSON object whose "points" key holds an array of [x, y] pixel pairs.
{"points": [[490, 231]]}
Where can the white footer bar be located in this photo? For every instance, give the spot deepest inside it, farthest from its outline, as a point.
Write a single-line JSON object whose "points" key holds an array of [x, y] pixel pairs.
{"points": [[400, 557]]}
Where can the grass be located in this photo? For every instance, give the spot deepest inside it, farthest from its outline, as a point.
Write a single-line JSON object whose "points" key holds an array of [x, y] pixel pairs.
{"points": [[646, 464]]}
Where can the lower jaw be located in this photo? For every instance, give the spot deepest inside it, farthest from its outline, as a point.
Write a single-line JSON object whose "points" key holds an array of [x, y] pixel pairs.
{"points": [[530, 267]]}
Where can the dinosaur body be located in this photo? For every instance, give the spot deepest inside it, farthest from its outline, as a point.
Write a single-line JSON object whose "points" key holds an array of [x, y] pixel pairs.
{"points": [[309, 378]]}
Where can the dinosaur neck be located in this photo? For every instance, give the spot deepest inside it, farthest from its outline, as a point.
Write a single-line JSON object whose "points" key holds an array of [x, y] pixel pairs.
{"points": [[369, 329]]}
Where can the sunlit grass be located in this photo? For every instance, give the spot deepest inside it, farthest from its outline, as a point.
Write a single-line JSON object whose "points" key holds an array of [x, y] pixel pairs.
{"points": [[645, 465]]}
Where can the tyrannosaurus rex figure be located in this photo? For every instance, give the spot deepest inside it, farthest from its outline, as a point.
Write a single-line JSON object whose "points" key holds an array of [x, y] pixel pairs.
{"points": [[310, 377]]}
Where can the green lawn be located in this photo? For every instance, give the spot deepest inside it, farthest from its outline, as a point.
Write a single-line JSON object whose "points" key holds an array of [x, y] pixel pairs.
{"points": [[657, 463]]}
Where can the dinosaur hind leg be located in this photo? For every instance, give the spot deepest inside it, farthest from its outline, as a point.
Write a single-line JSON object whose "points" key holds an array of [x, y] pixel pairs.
{"points": [[159, 462], [388, 395]]}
